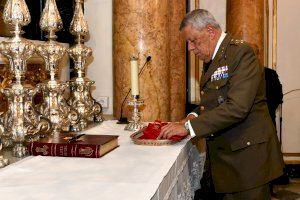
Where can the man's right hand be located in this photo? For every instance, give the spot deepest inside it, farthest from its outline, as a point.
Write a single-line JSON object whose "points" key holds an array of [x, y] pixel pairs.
{"points": [[189, 117]]}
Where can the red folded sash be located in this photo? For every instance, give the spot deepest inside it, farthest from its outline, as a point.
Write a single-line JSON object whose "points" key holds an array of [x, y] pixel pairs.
{"points": [[153, 130]]}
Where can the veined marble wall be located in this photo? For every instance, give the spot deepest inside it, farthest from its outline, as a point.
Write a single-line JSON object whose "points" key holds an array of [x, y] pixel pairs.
{"points": [[177, 61], [150, 28], [245, 20]]}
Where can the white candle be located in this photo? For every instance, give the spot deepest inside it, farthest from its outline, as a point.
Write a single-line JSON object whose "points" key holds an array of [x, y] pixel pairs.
{"points": [[134, 76]]}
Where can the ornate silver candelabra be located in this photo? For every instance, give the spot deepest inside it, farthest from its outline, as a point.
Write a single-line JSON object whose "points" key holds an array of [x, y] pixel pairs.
{"points": [[54, 106], [80, 97], [20, 122], [136, 106]]}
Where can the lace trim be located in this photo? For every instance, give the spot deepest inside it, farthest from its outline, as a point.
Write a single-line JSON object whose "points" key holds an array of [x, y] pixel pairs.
{"points": [[190, 172]]}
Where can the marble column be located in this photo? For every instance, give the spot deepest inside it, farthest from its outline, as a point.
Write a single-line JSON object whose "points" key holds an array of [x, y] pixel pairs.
{"points": [[148, 28], [245, 20], [177, 11]]}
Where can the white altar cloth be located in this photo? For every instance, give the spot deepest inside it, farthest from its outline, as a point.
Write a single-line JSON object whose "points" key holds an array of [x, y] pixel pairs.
{"points": [[130, 172]]}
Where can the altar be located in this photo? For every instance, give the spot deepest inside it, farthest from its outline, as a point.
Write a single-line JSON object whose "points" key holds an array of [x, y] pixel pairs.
{"points": [[128, 172]]}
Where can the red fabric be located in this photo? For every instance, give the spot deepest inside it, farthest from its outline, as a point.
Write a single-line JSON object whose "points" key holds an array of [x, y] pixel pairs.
{"points": [[153, 130]]}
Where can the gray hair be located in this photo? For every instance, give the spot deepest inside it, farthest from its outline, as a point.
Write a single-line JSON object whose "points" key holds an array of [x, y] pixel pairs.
{"points": [[198, 19]]}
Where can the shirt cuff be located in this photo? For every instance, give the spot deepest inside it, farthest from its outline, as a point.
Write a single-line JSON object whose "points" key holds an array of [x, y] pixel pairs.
{"points": [[192, 132], [193, 113]]}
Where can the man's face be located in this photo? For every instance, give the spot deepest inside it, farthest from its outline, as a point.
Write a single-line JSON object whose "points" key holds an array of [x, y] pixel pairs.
{"points": [[198, 42]]}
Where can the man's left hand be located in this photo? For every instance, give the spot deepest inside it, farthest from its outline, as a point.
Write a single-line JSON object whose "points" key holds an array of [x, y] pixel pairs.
{"points": [[172, 129]]}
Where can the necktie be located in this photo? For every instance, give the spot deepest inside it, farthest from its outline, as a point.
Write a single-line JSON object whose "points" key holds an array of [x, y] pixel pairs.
{"points": [[206, 65]]}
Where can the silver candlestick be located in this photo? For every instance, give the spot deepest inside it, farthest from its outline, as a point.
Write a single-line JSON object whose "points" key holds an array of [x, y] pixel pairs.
{"points": [[54, 106], [20, 122], [80, 98], [136, 106]]}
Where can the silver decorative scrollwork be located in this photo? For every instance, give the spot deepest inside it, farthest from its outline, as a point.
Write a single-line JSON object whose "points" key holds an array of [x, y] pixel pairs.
{"points": [[3, 161], [54, 106], [80, 98], [136, 105], [20, 123]]}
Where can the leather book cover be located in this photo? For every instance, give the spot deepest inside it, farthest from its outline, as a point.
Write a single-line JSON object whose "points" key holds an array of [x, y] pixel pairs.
{"points": [[88, 146]]}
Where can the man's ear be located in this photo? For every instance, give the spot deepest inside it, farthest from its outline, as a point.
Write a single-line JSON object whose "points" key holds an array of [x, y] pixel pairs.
{"points": [[209, 28], [210, 31]]}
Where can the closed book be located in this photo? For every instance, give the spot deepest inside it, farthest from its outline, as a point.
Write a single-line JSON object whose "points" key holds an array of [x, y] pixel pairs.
{"points": [[88, 146]]}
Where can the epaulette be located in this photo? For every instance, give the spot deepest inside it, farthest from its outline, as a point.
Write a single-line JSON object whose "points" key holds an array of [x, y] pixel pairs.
{"points": [[237, 42]]}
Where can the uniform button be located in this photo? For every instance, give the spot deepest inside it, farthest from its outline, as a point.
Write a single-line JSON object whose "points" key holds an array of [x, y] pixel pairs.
{"points": [[202, 92], [217, 87], [202, 108], [248, 143]]}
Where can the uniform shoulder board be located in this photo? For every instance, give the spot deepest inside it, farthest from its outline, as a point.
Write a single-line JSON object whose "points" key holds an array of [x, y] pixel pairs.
{"points": [[237, 42]]}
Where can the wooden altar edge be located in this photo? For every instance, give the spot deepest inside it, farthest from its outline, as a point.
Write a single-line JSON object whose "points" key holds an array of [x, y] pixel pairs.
{"points": [[293, 161]]}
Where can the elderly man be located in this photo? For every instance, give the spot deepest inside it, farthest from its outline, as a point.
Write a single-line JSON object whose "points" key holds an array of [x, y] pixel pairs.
{"points": [[233, 116]]}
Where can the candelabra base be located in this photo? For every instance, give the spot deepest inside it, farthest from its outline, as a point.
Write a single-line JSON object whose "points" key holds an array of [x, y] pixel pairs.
{"points": [[97, 109], [21, 120], [7, 142], [82, 101], [79, 126], [3, 161], [134, 126], [19, 150], [136, 105], [55, 107]]}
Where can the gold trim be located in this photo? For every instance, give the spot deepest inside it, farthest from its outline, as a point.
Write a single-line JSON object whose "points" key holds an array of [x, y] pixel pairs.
{"points": [[274, 36], [197, 79], [197, 67], [291, 154], [267, 18], [197, 4], [292, 162]]}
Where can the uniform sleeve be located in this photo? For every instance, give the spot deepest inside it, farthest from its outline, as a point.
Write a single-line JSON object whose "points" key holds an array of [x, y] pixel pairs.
{"points": [[243, 86], [196, 110]]}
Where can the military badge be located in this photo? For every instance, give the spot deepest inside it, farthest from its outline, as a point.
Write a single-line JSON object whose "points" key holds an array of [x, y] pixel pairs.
{"points": [[220, 73], [221, 100]]}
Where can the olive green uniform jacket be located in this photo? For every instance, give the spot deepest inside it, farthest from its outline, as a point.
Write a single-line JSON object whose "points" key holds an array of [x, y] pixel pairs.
{"points": [[242, 144]]}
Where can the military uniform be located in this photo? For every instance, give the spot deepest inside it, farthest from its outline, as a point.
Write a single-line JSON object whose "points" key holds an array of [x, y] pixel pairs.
{"points": [[242, 144]]}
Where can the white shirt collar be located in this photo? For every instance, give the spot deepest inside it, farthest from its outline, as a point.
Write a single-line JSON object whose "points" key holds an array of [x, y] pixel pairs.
{"points": [[218, 44]]}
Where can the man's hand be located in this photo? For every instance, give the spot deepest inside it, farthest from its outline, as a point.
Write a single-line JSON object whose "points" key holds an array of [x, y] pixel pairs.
{"points": [[172, 129], [189, 117]]}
